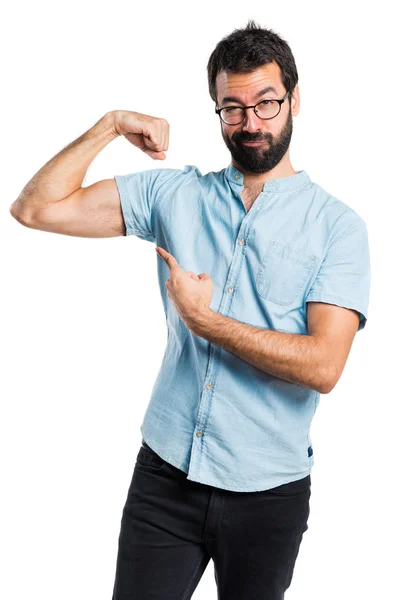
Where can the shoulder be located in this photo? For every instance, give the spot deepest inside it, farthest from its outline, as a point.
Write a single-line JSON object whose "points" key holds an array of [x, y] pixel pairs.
{"points": [[337, 215]]}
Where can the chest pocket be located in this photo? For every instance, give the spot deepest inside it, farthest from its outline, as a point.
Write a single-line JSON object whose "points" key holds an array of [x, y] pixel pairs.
{"points": [[283, 273]]}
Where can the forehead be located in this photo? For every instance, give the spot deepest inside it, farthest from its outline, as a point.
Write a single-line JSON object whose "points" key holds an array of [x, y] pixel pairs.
{"points": [[245, 86]]}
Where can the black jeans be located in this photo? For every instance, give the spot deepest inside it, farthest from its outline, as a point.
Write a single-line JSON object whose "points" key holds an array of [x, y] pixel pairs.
{"points": [[171, 527]]}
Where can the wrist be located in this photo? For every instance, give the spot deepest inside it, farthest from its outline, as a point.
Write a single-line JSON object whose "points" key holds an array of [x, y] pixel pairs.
{"points": [[114, 118], [202, 320], [110, 121]]}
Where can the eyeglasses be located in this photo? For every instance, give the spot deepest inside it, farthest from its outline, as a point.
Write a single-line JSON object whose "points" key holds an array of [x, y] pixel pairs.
{"points": [[266, 109]]}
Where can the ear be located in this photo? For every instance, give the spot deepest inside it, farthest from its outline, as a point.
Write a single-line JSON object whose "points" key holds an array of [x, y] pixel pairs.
{"points": [[295, 102]]}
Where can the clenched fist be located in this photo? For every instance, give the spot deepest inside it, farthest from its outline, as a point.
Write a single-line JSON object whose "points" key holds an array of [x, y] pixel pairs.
{"points": [[149, 134]]}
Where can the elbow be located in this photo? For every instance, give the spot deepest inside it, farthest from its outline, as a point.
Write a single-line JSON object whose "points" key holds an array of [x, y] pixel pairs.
{"points": [[325, 389], [21, 216], [328, 384]]}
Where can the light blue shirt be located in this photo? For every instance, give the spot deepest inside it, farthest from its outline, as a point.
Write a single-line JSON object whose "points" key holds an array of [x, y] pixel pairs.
{"points": [[212, 414]]}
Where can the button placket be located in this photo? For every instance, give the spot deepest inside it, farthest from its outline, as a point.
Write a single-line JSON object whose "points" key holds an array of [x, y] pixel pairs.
{"points": [[241, 242], [205, 399]]}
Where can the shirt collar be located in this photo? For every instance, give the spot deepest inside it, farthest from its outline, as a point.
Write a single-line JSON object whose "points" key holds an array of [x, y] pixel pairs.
{"points": [[280, 184]]}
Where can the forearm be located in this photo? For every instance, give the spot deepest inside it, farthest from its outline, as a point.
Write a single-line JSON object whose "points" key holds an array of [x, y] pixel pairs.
{"points": [[299, 359], [64, 173]]}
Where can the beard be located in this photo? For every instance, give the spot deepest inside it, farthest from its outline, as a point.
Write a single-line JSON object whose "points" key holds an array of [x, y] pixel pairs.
{"points": [[259, 159]]}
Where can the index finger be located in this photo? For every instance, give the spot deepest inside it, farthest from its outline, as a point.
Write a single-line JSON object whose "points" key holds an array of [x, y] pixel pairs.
{"points": [[167, 257]]}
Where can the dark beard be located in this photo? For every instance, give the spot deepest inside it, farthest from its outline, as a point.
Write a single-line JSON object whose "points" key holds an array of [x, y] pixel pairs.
{"points": [[259, 159]]}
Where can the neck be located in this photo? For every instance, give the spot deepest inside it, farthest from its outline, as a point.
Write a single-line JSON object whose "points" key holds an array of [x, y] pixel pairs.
{"points": [[282, 169]]}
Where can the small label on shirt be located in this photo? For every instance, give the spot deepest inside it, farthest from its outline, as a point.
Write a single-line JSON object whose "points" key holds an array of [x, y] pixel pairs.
{"points": [[310, 451]]}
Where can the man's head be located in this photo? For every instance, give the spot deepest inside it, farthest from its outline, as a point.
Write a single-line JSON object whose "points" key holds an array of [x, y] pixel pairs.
{"points": [[241, 66]]}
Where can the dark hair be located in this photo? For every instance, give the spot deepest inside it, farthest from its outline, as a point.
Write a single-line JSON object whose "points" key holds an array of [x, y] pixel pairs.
{"points": [[247, 49]]}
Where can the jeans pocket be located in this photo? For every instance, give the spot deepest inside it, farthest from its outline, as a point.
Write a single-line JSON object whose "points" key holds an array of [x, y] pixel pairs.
{"points": [[149, 460], [292, 488], [283, 273]]}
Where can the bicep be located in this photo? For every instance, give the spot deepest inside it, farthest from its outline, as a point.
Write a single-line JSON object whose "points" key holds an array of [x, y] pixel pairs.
{"points": [[93, 211], [335, 326]]}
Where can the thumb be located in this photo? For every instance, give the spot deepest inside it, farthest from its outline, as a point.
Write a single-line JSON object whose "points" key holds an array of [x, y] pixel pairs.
{"points": [[155, 155], [192, 275], [204, 276]]}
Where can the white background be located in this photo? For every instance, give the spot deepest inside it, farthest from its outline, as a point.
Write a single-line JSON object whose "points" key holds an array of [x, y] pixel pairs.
{"points": [[83, 328]]}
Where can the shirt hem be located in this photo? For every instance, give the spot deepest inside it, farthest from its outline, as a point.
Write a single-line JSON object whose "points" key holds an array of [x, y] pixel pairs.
{"points": [[203, 481]]}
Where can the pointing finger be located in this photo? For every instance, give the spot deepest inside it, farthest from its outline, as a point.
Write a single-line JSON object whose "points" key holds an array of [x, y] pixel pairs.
{"points": [[167, 257]]}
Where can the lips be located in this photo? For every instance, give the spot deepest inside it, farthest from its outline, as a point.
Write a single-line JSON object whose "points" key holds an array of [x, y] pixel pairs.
{"points": [[253, 143]]}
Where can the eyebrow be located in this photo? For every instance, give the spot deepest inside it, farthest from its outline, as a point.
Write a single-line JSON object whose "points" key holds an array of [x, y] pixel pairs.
{"points": [[269, 88]]}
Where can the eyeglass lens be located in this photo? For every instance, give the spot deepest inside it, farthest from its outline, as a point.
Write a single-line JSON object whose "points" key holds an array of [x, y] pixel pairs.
{"points": [[235, 114]]}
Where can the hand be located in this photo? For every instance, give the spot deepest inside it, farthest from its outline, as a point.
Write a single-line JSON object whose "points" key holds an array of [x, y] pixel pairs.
{"points": [[149, 134], [190, 293]]}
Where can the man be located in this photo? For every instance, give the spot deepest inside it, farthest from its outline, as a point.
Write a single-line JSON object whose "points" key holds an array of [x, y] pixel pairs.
{"points": [[264, 279]]}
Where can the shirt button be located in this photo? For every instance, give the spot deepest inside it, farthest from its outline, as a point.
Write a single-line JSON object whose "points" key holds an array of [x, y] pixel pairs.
{"points": [[237, 176], [241, 242], [230, 290], [209, 386], [199, 433]]}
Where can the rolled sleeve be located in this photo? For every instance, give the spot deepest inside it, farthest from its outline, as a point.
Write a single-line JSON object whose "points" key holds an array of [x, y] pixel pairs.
{"points": [[139, 193], [344, 276]]}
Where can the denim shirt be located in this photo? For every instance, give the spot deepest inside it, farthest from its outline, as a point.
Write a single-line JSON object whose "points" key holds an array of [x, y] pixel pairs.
{"points": [[211, 414]]}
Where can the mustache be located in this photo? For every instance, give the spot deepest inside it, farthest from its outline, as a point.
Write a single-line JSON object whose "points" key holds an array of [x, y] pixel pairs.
{"points": [[250, 139]]}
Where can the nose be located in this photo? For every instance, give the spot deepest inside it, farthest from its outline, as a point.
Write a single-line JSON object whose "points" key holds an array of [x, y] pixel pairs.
{"points": [[251, 122]]}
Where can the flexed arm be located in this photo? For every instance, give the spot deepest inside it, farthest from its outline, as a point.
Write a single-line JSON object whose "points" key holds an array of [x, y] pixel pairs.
{"points": [[54, 199]]}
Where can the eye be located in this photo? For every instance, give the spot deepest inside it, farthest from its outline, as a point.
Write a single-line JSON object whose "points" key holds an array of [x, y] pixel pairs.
{"points": [[265, 102]]}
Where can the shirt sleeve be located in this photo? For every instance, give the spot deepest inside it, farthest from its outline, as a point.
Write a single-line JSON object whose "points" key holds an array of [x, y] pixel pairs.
{"points": [[138, 194], [345, 273]]}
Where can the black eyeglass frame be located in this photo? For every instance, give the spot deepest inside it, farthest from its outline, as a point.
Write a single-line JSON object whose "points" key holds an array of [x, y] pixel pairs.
{"points": [[280, 102]]}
